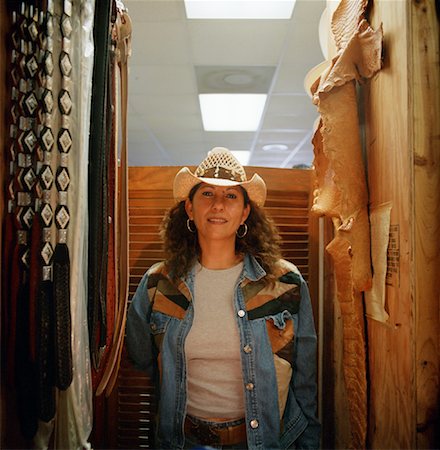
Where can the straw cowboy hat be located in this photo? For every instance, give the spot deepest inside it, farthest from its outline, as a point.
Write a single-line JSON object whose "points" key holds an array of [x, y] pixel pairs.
{"points": [[219, 168]]}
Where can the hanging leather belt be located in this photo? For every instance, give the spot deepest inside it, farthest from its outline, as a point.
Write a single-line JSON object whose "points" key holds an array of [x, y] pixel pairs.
{"points": [[45, 319], [98, 161], [28, 64], [10, 267], [123, 38], [98, 372], [61, 257]]}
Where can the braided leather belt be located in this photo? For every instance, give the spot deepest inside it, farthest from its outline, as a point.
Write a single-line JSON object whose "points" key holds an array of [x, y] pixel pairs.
{"points": [[208, 434]]}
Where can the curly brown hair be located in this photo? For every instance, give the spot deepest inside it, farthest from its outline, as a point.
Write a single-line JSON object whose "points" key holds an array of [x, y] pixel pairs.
{"points": [[182, 247]]}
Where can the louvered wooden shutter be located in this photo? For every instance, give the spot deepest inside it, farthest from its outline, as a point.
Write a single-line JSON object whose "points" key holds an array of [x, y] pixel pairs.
{"points": [[150, 195]]}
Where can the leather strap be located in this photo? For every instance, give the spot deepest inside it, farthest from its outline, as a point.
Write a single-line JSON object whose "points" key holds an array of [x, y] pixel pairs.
{"points": [[123, 37], [98, 217], [6, 304], [25, 369], [45, 352], [28, 64], [61, 257], [97, 373], [34, 278], [9, 246], [14, 292], [45, 313]]}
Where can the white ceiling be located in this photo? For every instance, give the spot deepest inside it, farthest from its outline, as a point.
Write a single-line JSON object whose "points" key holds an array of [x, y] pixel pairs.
{"points": [[171, 63]]}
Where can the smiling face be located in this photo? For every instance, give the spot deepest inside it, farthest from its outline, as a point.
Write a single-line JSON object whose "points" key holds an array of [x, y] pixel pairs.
{"points": [[217, 212]]}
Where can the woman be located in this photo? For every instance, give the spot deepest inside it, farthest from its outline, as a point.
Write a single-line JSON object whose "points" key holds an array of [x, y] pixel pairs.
{"points": [[225, 325]]}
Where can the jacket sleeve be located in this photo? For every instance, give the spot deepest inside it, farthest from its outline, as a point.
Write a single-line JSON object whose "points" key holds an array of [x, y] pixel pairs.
{"points": [[138, 337], [304, 377]]}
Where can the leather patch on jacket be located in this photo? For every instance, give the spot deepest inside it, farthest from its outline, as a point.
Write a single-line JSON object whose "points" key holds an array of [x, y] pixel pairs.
{"points": [[165, 296], [270, 301], [264, 300], [171, 305], [288, 301]]}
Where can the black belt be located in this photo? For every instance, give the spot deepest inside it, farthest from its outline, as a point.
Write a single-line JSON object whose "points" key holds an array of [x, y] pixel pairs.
{"points": [[99, 144]]}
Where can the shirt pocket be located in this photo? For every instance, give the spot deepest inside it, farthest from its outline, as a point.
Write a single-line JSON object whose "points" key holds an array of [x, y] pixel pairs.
{"points": [[158, 325], [280, 329]]}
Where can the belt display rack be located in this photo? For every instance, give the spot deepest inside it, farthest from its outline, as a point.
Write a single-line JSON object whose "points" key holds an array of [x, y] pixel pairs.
{"points": [[36, 283], [41, 214]]}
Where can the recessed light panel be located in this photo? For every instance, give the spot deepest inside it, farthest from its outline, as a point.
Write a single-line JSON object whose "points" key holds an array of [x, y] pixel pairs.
{"points": [[239, 9], [234, 79], [231, 112], [275, 148]]}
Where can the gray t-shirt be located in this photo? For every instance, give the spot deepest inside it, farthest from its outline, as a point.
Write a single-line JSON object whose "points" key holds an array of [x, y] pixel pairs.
{"points": [[212, 347]]}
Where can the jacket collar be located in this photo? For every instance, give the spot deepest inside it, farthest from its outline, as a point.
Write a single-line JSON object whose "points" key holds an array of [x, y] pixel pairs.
{"points": [[252, 270]]}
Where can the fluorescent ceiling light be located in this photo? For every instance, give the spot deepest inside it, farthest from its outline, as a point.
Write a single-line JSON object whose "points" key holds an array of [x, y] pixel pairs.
{"points": [[239, 9], [231, 112], [242, 156]]}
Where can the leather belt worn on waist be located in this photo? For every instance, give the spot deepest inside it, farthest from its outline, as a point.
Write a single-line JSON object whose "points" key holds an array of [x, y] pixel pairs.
{"points": [[208, 434]]}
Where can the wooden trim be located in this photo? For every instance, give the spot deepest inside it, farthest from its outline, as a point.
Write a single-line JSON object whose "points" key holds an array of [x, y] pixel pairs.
{"points": [[402, 129], [388, 148], [425, 100], [162, 177]]}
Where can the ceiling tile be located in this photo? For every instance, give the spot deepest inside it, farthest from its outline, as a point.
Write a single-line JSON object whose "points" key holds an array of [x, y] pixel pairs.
{"points": [[162, 79], [303, 47], [145, 11], [147, 154], [290, 79], [289, 137], [234, 79], [160, 43], [179, 104], [282, 105], [187, 136], [174, 123], [237, 42], [140, 136], [285, 123]]}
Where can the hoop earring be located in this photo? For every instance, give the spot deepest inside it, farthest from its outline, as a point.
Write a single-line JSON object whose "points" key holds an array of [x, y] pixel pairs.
{"points": [[188, 225], [242, 235]]}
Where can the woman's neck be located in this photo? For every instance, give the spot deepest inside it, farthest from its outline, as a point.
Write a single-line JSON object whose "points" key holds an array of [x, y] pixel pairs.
{"points": [[219, 256]]}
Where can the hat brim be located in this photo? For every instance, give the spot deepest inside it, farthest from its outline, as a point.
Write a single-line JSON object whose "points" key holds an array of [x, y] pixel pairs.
{"points": [[185, 180]]}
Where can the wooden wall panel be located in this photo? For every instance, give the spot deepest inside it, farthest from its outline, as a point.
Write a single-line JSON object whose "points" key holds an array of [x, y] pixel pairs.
{"points": [[392, 388], [425, 80], [402, 129]]}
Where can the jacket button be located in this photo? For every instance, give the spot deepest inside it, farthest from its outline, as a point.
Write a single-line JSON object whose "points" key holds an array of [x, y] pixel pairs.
{"points": [[153, 326], [241, 313], [254, 423], [247, 348], [249, 386]]}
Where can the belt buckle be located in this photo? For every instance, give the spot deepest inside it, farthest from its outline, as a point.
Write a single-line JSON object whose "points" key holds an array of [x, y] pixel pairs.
{"points": [[213, 436], [205, 434]]}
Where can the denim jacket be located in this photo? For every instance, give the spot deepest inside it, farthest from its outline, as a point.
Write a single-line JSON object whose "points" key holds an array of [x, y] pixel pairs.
{"points": [[278, 342]]}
